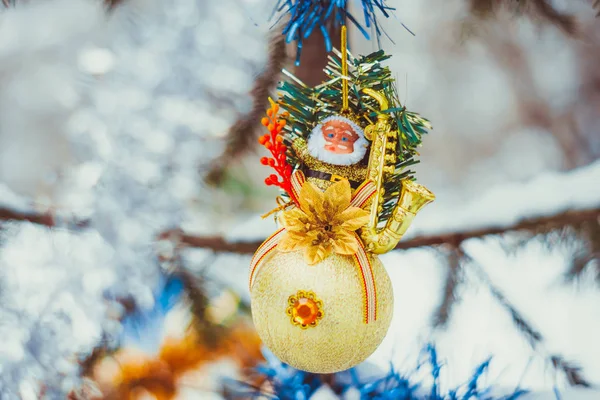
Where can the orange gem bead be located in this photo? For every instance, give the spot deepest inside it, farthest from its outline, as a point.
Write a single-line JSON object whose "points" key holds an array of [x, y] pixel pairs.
{"points": [[305, 309]]}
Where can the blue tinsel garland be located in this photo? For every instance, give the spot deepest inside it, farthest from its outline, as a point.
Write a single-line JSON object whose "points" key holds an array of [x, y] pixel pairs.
{"points": [[143, 328], [288, 383], [308, 15]]}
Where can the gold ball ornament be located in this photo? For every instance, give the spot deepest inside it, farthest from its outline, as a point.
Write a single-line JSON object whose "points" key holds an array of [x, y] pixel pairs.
{"points": [[328, 298]]}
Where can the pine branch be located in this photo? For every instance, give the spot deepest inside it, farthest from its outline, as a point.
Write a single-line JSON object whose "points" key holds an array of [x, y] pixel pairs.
{"points": [[210, 333], [534, 337], [537, 9], [534, 225], [572, 372], [219, 244], [442, 314], [242, 136], [589, 232]]}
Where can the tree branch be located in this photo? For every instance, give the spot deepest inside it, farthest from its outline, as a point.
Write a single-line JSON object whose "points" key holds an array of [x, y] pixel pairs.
{"points": [[219, 244], [11, 215], [243, 135], [573, 373], [533, 225], [453, 280]]}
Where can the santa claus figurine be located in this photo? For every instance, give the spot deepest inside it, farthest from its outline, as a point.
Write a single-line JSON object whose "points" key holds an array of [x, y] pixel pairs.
{"points": [[335, 149]]}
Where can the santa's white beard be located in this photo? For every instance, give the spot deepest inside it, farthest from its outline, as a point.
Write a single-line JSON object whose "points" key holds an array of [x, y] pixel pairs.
{"points": [[316, 148]]}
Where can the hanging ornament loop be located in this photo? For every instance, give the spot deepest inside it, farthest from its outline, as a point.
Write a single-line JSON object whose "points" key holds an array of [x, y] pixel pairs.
{"points": [[345, 76]]}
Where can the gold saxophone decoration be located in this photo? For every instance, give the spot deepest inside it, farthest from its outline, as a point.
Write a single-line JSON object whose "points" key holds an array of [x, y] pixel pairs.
{"points": [[382, 163]]}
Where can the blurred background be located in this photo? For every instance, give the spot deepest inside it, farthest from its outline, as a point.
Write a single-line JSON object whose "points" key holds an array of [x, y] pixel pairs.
{"points": [[131, 196]]}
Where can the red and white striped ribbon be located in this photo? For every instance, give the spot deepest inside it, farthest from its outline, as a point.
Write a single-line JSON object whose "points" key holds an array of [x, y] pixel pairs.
{"points": [[361, 196], [298, 180], [263, 250], [368, 281]]}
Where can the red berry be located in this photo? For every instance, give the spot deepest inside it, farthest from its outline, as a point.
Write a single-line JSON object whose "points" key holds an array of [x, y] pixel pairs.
{"points": [[268, 181], [264, 161], [271, 162], [265, 121]]}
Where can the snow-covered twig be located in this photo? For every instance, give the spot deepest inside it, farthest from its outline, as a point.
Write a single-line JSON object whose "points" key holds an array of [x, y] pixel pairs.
{"points": [[11, 215], [549, 202], [572, 372], [220, 244]]}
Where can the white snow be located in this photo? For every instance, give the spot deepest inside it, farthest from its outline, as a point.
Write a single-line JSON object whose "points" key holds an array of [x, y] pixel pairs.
{"points": [[12, 201], [110, 119], [500, 207], [52, 303]]}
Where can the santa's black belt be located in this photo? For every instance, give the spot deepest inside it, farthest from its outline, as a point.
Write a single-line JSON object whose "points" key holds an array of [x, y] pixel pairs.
{"points": [[329, 177]]}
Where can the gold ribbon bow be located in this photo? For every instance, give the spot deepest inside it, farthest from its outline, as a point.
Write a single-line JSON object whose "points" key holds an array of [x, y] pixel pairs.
{"points": [[325, 223]]}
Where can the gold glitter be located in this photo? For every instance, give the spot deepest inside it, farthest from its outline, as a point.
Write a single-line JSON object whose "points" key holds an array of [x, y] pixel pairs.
{"points": [[324, 223], [342, 339]]}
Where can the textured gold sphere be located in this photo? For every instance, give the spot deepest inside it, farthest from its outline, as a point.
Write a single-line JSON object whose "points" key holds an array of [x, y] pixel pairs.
{"points": [[340, 339]]}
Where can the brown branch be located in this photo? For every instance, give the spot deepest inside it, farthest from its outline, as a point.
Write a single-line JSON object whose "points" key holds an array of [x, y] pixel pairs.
{"points": [[453, 265], [535, 225], [314, 59], [11, 215], [219, 244], [541, 10], [532, 106], [573, 373], [244, 133]]}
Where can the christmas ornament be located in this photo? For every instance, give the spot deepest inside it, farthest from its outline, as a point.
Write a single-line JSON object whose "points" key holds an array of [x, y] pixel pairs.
{"points": [[321, 299]]}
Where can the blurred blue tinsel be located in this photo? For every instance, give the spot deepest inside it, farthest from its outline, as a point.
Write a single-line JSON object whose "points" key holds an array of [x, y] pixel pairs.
{"points": [[307, 15], [143, 328], [287, 383]]}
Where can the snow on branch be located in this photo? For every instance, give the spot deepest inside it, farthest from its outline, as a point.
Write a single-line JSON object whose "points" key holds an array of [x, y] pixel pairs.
{"points": [[142, 115], [52, 306], [549, 202], [18, 208], [220, 244]]}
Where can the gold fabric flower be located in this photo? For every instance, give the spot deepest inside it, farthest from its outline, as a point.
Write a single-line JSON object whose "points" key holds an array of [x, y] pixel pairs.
{"points": [[325, 222]]}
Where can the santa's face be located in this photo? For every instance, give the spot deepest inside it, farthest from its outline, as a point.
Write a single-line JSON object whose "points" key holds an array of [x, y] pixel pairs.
{"points": [[339, 137], [338, 141]]}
